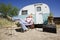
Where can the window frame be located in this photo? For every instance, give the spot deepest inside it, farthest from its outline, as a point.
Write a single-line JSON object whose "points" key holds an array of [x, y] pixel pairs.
{"points": [[24, 12], [38, 9]]}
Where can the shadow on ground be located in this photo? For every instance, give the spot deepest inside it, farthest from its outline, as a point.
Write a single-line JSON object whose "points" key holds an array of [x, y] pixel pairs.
{"points": [[19, 30]]}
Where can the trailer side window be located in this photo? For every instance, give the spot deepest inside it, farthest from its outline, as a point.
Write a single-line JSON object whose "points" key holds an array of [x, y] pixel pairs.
{"points": [[24, 12], [38, 8]]}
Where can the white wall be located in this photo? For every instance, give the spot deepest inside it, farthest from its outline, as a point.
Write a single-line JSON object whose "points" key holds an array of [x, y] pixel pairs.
{"points": [[44, 8], [32, 9]]}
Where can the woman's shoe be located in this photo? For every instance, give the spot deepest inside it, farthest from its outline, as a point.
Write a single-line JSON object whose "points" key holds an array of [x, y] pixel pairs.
{"points": [[26, 30]]}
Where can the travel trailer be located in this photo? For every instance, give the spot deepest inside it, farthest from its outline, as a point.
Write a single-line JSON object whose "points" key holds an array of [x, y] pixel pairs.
{"points": [[39, 11]]}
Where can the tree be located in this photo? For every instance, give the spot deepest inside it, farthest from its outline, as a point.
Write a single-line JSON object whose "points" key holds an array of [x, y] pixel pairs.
{"points": [[8, 10], [51, 14], [13, 12], [4, 9], [50, 19]]}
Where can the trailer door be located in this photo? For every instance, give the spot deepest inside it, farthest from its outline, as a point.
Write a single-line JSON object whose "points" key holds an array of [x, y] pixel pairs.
{"points": [[39, 18]]}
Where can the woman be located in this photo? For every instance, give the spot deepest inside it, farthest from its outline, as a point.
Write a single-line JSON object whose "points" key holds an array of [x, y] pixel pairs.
{"points": [[26, 22]]}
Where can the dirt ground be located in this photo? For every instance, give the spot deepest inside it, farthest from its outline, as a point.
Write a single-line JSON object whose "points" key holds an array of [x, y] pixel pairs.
{"points": [[33, 34]]}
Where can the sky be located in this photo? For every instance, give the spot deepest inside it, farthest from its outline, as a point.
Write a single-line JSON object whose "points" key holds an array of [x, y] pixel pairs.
{"points": [[54, 5]]}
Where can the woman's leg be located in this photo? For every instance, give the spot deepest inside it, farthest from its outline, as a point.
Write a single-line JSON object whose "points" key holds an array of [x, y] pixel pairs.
{"points": [[23, 26]]}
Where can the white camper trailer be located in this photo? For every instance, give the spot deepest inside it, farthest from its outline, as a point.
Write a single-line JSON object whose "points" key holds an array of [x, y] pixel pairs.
{"points": [[39, 11]]}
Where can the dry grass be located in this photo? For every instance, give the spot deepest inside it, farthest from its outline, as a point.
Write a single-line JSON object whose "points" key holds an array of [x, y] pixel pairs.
{"points": [[58, 25], [5, 23]]}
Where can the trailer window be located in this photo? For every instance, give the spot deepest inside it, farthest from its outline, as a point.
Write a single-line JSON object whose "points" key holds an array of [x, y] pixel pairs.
{"points": [[24, 12], [38, 8]]}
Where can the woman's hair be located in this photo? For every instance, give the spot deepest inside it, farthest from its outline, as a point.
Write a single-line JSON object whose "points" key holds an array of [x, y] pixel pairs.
{"points": [[30, 16]]}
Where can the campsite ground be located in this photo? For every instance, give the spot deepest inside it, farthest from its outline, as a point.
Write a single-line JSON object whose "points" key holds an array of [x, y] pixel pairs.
{"points": [[32, 34]]}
